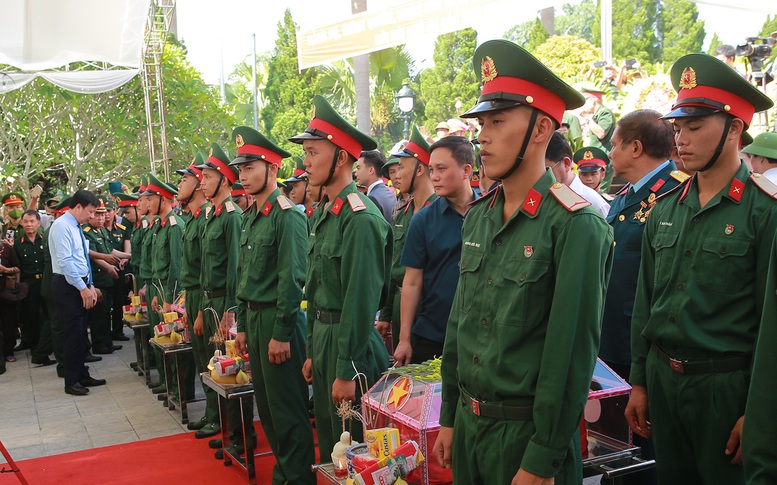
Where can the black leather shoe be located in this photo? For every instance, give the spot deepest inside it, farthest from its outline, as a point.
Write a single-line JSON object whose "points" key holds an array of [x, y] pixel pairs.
{"points": [[215, 444], [117, 347], [76, 390], [120, 338], [210, 429], [44, 363], [160, 389], [195, 425], [92, 358], [92, 382], [161, 397], [133, 365], [154, 384], [102, 351], [21, 346]]}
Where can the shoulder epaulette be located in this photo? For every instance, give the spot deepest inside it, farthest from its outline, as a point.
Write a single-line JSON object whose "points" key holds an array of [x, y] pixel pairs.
{"points": [[230, 206], [123, 228], [670, 191], [284, 203], [173, 220], [567, 197], [145, 224], [764, 184], [356, 203], [87, 228], [490, 193], [679, 175]]}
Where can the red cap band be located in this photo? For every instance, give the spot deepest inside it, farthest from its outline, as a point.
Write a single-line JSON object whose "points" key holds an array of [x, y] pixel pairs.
{"points": [[592, 162], [197, 171], [267, 155], [238, 192], [338, 137], [738, 106], [128, 203], [298, 172], [418, 152], [224, 169], [542, 99], [160, 191]]}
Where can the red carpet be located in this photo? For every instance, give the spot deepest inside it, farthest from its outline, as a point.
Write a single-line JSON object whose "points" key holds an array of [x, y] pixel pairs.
{"points": [[178, 459]]}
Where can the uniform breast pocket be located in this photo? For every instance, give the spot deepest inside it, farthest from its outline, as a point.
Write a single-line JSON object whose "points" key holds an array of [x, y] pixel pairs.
{"points": [[665, 246], [262, 250], [631, 239], [468, 278], [399, 234], [215, 245], [723, 265], [526, 287], [329, 259]]}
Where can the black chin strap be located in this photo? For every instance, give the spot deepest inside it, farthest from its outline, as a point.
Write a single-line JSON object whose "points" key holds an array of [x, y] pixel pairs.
{"points": [[332, 169], [721, 143], [524, 146], [159, 206], [218, 186], [412, 179]]}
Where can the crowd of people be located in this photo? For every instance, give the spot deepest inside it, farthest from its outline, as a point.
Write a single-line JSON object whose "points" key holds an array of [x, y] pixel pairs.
{"points": [[507, 257]]}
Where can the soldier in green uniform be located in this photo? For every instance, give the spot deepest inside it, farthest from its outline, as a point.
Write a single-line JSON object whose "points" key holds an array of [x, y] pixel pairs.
{"points": [[14, 209], [103, 274], [600, 121], [29, 250], [349, 265], [218, 277], [120, 236], [523, 332], [190, 196], [241, 198], [414, 169], [165, 254], [702, 284], [271, 325]]}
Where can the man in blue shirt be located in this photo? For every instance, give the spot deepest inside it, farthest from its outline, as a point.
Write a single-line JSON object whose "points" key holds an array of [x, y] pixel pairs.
{"points": [[72, 287], [369, 168], [432, 252]]}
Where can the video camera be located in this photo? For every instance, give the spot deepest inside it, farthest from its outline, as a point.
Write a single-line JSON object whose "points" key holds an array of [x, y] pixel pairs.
{"points": [[757, 49]]}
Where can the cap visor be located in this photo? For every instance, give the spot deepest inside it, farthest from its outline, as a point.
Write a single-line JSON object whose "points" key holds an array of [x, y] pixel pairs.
{"points": [[241, 160], [401, 155], [305, 136], [490, 105], [688, 111], [588, 169]]}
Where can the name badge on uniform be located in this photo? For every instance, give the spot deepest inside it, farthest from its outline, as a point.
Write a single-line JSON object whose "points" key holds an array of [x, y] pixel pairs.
{"points": [[528, 251]]}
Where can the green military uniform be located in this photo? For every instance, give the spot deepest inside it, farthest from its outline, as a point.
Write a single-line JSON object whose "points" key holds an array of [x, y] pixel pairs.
{"points": [[273, 246], [349, 260], [218, 277], [99, 315], [118, 233], [605, 118], [575, 134], [523, 332], [701, 288], [34, 319], [418, 148], [13, 199]]}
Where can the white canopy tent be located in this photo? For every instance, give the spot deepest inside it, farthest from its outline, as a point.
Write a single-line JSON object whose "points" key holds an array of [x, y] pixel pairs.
{"points": [[43, 37]]}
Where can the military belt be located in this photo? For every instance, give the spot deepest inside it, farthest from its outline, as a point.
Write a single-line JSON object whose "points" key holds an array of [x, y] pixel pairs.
{"points": [[497, 409], [330, 317], [214, 293], [256, 306], [704, 366], [32, 277]]}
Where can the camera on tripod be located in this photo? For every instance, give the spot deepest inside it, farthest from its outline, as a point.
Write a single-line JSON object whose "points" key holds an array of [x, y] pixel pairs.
{"points": [[757, 50]]}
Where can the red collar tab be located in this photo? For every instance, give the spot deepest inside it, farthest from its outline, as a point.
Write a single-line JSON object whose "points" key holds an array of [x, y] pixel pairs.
{"points": [[224, 169], [417, 152], [310, 210], [261, 152], [337, 206], [197, 213], [151, 223], [267, 208], [532, 202], [137, 225], [219, 208], [736, 189], [164, 221], [337, 136], [493, 197], [536, 96], [685, 191], [732, 104], [657, 186]]}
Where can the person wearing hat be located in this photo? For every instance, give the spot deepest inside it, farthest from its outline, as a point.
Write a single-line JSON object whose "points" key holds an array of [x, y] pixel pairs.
{"points": [[442, 129], [523, 331], [241, 197], [271, 326], [600, 123], [103, 273], [457, 127], [348, 274], [14, 209], [413, 175], [119, 243], [390, 171], [559, 159], [592, 165], [763, 155], [298, 182], [220, 245], [701, 284]]}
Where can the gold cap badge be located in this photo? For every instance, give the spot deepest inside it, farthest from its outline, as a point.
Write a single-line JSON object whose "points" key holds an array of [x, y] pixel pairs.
{"points": [[688, 79], [588, 156], [488, 69], [239, 141]]}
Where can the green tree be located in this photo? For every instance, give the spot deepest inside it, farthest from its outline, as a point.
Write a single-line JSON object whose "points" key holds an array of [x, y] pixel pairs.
{"points": [[240, 94], [577, 20], [715, 42], [680, 31], [567, 56], [290, 91], [634, 24], [528, 35], [451, 78], [770, 25], [537, 36]]}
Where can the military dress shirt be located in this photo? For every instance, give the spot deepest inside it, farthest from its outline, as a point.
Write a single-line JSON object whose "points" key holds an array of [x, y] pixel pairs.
{"points": [[31, 256], [166, 255], [349, 266], [702, 274], [147, 252], [524, 326], [118, 234], [99, 241], [191, 253], [273, 245], [220, 246], [136, 243]]}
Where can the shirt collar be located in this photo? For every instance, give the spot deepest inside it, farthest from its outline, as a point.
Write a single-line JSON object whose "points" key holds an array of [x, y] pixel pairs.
{"points": [[644, 180], [373, 185]]}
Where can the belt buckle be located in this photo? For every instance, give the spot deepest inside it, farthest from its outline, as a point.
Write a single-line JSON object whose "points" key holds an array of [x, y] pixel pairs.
{"points": [[318, 315], [676, 365], [474, 405]]}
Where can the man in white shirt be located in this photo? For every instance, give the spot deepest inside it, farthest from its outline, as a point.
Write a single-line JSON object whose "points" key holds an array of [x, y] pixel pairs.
{"points": [[763, 155], [558, 158]]}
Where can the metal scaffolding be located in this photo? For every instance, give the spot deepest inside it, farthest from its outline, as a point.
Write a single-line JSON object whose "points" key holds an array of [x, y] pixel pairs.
{"points": [[160, 18]]}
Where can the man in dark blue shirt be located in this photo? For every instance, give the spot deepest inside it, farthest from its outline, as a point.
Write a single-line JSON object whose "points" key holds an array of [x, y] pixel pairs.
{"points": [[432, 252]]}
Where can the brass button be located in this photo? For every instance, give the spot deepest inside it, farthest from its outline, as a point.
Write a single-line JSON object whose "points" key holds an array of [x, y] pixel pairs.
{"points": [[621, 218], [522, 277]]}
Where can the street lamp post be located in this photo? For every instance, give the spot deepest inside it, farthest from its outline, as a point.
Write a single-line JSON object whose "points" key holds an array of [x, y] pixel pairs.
{"points": [[405, 98]]}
